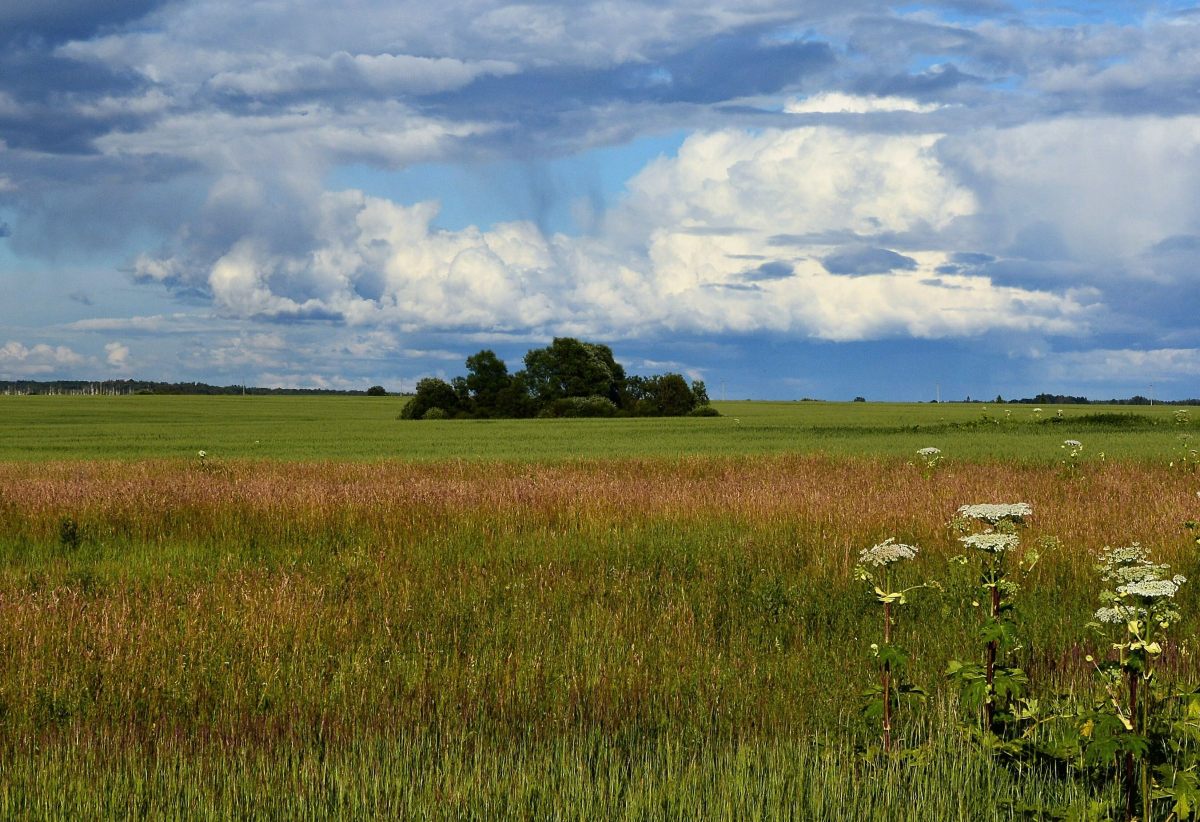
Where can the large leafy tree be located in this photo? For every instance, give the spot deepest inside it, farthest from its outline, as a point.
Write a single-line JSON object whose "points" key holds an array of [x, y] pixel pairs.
{"points": [[570, 368], [487, 381]]}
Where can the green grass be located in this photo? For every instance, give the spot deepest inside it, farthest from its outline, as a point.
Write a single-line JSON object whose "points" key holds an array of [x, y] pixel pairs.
{"points": [[360, 617], [366, 428]]}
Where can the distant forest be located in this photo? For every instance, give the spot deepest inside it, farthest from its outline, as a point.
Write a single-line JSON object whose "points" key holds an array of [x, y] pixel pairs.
{"points": [[488, 373], [1064, 399], [568, 378], [122, 387]]}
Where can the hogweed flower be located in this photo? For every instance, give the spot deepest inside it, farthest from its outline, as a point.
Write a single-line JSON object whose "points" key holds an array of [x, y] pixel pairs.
{"points": [[931, 456], [885, 553], [993, 541], [993, 513], [1153, 588]]}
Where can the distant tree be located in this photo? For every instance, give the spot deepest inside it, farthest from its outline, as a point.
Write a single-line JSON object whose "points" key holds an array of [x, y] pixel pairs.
{"points": [[860, 399], [487, 379], [376, 391], [667, 395], [431, 393], [570, 368], [515, 400], [568, 378]]}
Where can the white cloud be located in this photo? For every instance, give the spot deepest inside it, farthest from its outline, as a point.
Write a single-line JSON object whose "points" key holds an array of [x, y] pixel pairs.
{"points": [[18, 360], [1111, 186], [833, 102], [117, 355], [1126, 365], [390, 73], [672, 256]]}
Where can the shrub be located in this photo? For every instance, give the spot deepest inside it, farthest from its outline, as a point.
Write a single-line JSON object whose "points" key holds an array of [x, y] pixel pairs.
{"points": [[704, 411], [435, 413], [580, 407]]}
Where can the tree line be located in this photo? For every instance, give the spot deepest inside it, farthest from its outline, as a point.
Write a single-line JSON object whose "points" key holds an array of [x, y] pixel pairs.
{"points": [[568, 378]]}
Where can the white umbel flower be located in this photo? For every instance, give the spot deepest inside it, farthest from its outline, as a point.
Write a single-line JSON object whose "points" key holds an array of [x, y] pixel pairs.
{"points": [[1153, 588], [992, 542], [886, 552], [1118, 615], [995, 512], [929, 452]]}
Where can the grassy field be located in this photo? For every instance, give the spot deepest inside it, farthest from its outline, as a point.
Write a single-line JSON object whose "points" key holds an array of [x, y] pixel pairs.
{"points": [[637, 619], [366, 428]]}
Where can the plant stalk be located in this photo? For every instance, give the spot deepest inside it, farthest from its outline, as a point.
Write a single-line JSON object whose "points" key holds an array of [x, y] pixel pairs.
{"points": [[887, 679], [989, 705]]}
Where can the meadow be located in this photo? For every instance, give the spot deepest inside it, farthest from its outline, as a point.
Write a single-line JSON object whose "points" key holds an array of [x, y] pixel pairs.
{"points": [[40, 428], [334, 613]]}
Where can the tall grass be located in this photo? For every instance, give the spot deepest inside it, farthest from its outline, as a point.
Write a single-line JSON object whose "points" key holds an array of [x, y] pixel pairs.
{"points": [[641, 638]]}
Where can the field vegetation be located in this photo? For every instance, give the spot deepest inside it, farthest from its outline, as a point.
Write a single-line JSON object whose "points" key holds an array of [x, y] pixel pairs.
{"points": [[366, 428], [535, 631]]}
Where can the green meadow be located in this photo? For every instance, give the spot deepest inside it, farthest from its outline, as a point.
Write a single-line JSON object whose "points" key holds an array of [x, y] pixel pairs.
{"points": [[338, 614], [367, 428]]}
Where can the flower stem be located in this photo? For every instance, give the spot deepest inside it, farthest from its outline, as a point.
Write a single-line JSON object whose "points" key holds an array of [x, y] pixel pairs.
{"points": [[887, 679]]}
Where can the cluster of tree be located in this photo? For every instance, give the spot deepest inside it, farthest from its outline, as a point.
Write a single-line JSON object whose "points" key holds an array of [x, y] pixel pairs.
{"points": [[1066, 399], [568, 378], [78, 387]]}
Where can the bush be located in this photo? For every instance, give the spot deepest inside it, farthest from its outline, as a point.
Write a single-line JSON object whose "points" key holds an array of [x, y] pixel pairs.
{"points": [[704, 411], [435, 413], [580, 407], [376, 391]]}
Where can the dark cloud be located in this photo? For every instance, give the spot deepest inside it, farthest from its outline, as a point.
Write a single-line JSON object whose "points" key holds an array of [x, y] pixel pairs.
{"points": [[5, 230], [971, 258], [81, 297], [1177, 244], [776, 270], [717, 69], [1039, 241], [929, 84], [55, 21], [859, 260]]}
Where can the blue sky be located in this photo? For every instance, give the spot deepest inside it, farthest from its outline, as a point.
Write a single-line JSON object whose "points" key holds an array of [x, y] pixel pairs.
{"points": [[817, 199]]}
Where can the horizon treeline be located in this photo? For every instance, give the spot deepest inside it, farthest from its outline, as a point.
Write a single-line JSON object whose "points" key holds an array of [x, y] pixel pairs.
{"points": [[568, 378]]}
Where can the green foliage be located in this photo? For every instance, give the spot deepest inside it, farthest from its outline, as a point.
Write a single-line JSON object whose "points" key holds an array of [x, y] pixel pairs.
{"points": [[579, 407], [571, 368], [376, 391], [319, 427], [432, 393]]}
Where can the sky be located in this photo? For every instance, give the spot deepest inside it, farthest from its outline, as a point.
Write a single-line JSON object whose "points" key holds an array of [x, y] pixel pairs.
{"points": [[788, 200]]}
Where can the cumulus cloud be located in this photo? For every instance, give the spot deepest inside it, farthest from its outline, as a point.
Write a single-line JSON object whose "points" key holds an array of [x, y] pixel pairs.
{"points": [[117, 355], [956, 171], [18, 360], [666, 260]]}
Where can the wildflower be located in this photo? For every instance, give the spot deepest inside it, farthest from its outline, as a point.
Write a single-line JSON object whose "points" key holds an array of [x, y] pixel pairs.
{"points": [[886, 552], [992, 542], [1153, 588], [203, 454], [1072, 444], [995, 512], [929, 452], [1117, 615]]}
